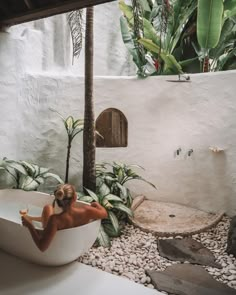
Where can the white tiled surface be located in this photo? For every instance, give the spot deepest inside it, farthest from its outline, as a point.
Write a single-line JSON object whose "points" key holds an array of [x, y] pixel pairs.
{"points": [[20, 278]]}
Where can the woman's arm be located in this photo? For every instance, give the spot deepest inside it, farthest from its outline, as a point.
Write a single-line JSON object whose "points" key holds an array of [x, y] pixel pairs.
{"points": [[97, 211], [42, 241], [34, 218]]}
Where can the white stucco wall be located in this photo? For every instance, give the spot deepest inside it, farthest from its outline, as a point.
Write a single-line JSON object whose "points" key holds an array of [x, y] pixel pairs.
{"points": [[162, 117], [36, 74], [45, 44]]}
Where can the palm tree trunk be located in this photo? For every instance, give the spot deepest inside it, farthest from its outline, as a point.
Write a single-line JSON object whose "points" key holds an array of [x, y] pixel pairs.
{"points": [[89, 149]]}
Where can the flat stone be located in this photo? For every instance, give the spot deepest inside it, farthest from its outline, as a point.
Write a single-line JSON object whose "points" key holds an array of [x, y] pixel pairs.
{"points": [[187, 279], [186, 250], [231, 242], [169, 219]]}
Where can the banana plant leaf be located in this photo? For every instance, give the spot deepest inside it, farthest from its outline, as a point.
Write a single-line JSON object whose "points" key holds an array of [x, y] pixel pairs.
{"points": [[229, 8], [209, 22], [129, 42], [223, 60], [184, 10]]}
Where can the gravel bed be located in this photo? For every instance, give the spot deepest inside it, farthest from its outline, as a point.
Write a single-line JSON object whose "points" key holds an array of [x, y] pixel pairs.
{"points": [[135, 251]]}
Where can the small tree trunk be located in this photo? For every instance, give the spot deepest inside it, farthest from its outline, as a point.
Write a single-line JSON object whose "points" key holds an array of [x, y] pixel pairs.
{"points": [[89, 149], [68, 160], [206, 64]]}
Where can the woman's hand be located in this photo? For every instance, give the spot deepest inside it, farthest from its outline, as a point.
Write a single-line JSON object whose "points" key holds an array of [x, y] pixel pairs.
{"points": [[26, 221]]}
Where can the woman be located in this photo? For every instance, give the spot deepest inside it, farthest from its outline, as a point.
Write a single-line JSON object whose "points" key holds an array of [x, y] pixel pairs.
{"points": [[70, 216]]}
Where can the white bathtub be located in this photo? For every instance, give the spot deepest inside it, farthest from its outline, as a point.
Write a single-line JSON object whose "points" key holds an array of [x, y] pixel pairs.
{"points": [[15, 239]]}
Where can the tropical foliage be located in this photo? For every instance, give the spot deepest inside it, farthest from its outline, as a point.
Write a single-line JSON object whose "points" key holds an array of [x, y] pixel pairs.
{"points": [[114, 196], [73, 127], [110, 227], [116, 177], [171, 44], [26, 176]]}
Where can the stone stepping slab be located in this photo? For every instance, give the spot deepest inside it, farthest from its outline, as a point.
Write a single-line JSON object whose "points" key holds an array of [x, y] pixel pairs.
{"points": [[187, 279], [169, 219], [187, 249]]}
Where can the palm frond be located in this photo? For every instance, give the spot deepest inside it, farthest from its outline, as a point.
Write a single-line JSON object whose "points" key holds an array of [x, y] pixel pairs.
{"points": [[76, 24]]}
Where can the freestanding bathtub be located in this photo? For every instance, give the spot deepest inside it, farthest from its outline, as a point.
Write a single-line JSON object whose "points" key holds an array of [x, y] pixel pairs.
{"points": [[15, 239]]}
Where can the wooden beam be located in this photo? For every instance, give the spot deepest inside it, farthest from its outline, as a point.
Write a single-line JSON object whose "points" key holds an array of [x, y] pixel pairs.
{"points": [[4, 8], [29, 4], [61, 7]]}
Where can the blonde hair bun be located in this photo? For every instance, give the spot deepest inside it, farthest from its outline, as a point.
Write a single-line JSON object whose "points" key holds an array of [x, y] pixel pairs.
{"points": [[64, 191]]}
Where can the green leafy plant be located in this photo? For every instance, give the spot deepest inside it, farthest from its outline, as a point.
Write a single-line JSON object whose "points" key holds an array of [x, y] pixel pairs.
{"points": [[114, 177], [73, 127], [110, 227], [27, 176], [181, 35], [114, 196], [165, 29]]}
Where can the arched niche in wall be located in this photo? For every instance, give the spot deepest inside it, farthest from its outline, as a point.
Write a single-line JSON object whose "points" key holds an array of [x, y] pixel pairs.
{"points": [[113, 126]]}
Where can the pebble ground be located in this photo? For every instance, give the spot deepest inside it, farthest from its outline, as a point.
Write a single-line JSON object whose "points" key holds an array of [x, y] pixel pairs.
{"points": [[136, 251]]}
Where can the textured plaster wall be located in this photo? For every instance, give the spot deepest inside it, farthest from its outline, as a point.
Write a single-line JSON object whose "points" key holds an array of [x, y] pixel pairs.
{"points": [[45, 45], [162, 117], [36, 74]]}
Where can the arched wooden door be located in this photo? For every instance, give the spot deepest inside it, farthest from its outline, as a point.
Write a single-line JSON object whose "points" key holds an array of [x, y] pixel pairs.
{"points": [[113, 126]]}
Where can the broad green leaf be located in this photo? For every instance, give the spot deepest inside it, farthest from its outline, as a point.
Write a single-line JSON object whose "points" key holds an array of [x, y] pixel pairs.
{"points": [[114, 221], [128, 41], [29, 166], [123, 189], [127, 10], [224, 59], [40, 179], [103, 238], [229, 8], [69, 122], [182, 15], [92, 195], [137, 177], [104, 190], [112, 197], [171, 64], [17, 166], [149, 45], [55, 176], [106, 204], [27, 183], [187, 62], [109, 229], [78, 123], [123, 208], [120, 175], [209, 22], [43, 170]]}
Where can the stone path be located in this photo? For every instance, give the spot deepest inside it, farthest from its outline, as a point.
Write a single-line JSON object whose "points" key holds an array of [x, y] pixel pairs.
{"points": [[186, 279], [187, 250], [169, 219]]}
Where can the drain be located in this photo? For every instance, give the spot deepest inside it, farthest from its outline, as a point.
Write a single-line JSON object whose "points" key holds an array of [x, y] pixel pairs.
{"points": [[171, 215]]}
